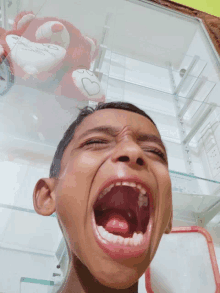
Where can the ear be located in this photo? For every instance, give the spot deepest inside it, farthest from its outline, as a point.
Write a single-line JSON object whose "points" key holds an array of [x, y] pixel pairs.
{"points": [[43, 197], [25, 20], [169, 226]]}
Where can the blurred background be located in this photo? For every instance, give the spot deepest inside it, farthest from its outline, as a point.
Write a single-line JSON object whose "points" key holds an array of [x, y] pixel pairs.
{"points": [[160, 60]]}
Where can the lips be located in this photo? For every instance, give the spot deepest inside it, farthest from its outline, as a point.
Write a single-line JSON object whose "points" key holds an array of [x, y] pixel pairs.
{"points": [[135, 241]]}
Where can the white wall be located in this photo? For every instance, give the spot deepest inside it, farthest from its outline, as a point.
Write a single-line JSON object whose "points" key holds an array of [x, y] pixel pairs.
{"points": [[217, 253], [18, 180], [28, 241], [15, 264]]}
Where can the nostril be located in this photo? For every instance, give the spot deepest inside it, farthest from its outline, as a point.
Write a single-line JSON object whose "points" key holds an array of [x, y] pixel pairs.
{"points": [[124, 159], [140, 162]]}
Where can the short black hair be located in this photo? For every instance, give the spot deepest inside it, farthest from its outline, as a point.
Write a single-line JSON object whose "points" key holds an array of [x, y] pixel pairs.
{"points": [[86, 111]]}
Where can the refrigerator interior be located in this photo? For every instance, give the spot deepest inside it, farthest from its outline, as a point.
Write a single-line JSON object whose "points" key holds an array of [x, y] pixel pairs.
{"points": [[159, 60]]}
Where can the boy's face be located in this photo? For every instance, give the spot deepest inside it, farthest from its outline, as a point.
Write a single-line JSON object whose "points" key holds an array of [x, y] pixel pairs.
{"points": [[112, 146]]}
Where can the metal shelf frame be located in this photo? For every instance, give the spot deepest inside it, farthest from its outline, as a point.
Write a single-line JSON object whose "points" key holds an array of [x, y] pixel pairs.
{"points": [[190, 97], [176, 89]]}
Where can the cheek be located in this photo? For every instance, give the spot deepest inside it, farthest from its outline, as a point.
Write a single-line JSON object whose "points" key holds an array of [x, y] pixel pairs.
{"points": [[165, 194], [70, 207], [162, 176], [163, 200], [79, 171], [86, 163], [72, 195]]}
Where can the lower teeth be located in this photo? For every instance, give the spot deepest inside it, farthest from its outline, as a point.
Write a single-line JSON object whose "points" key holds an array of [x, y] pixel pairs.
{"points": [[135, 240]]}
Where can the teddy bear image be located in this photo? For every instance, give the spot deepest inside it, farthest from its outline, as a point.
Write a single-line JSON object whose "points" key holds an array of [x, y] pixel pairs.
{"points": [[48, 47]]}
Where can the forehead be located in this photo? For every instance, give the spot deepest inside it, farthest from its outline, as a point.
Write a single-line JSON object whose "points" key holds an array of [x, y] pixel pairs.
{"points": [[118, 118]]}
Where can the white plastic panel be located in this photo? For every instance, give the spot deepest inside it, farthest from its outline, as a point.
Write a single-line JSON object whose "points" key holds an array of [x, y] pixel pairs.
{"points": [[182, 264]]}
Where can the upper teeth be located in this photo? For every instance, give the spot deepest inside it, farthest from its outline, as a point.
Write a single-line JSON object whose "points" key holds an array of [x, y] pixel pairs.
{"points": [[142, 200]]}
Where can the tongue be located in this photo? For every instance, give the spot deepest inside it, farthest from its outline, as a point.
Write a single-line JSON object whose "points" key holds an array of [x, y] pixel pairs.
{"points": [[116, 224]]}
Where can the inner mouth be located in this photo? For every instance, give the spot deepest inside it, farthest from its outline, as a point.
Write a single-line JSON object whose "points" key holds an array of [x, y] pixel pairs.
{"points": [[119, 212]]}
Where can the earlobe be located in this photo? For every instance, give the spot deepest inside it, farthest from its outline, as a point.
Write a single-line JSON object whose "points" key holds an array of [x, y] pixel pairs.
{"points": [[43, 197]]}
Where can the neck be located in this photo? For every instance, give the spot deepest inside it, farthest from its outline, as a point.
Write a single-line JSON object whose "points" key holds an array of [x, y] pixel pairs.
{"points": [[80, 280]]}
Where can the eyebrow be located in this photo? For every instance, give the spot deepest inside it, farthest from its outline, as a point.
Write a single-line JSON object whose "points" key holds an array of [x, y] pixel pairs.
{"points": [[113, 131]]}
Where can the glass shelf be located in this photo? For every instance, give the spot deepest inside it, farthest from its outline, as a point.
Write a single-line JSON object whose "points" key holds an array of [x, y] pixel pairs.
{"points": [[43, 117], [215, 221], [130, 79], [192, 176], [24, 230], [120, 83], [113, 58], [195, 98], [197, 69], [182, 183], [193, 195], [37, 122], [46, 117], [139, 73], [158, 105], [36, 281]]}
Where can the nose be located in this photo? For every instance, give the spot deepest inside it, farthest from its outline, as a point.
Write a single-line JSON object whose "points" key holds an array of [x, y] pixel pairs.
{"points": [[130, 153], [57, 27]]}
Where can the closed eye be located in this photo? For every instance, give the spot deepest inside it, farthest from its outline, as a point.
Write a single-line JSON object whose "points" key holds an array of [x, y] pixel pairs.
{"points": [[157, 152], [99, 142], [94, 142]]}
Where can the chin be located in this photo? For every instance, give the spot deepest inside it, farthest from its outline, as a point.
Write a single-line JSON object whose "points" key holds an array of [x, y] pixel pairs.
{"points": [[119, 280], [123, 284]]}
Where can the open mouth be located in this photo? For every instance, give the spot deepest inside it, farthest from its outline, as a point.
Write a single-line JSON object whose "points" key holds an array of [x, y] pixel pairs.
{"points": [[122, 219]]}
